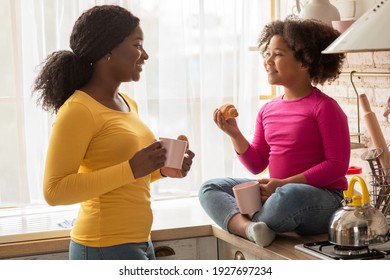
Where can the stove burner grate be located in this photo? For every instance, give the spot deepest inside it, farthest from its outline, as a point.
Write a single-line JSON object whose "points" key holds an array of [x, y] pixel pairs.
{"points": [[327, 249], [350, 251]]}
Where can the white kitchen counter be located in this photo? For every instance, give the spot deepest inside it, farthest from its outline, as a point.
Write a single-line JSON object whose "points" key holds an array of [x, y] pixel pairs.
{"points": [[42, 223], [37, 232]]}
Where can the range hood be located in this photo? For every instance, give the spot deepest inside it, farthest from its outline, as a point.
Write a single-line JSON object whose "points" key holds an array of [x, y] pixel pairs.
{"points": [[369, 33]]}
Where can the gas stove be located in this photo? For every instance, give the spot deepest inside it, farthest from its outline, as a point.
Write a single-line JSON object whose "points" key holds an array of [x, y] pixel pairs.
{"points": [[328, 251]]}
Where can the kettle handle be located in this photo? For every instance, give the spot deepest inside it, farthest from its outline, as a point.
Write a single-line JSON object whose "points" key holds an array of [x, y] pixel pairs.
{"points": [[349, 192]]}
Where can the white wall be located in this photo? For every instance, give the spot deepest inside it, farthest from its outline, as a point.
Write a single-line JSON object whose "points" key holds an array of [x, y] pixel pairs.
{"points": [[377, 90]]}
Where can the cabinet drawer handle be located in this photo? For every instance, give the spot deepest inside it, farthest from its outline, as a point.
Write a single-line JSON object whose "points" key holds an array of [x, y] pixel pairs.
{"points": [[239, 256], [164, 251]]}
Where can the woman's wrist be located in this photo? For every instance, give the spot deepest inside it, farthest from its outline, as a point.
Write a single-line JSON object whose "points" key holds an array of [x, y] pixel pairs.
{"points": [[162, 174]]}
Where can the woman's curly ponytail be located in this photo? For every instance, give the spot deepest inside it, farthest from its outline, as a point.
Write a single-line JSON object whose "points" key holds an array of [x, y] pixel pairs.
{"points": [[61, 75]]}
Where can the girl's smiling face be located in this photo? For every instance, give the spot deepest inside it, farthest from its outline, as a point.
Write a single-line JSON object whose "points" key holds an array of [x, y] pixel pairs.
{"points": [[281, 65]]}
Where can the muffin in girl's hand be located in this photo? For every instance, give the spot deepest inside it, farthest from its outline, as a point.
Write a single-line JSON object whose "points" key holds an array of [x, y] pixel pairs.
{"points": [[228, 111]]}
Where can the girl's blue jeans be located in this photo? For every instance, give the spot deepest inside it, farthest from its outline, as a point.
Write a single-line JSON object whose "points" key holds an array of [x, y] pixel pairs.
{"points": [[128, 251], [294, 207]]}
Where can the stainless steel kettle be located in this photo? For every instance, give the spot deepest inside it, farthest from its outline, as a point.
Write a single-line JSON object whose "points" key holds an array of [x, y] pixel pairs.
{"points": [[358, 223]]}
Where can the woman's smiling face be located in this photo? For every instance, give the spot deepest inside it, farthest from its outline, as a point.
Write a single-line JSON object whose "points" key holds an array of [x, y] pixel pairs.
{"points": [[128, 57]]}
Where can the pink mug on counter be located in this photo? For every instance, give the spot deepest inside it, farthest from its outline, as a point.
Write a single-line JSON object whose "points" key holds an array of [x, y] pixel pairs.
{"points": [[248, 197], [175, 152]]}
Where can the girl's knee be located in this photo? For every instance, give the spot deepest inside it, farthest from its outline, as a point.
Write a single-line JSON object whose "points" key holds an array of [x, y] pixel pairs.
{"points": [[295, 191], [211, 184], [206, 187]]}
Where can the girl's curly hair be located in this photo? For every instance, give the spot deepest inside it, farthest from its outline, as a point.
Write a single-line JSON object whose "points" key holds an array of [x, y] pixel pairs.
{"points": [[307, 38], [95, 33]]}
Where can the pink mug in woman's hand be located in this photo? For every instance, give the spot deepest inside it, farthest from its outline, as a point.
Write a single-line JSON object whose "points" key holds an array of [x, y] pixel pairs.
{"points": [[175, 152]]}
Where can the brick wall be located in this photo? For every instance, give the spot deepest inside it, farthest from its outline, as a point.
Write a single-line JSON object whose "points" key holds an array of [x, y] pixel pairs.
{"points": [[377, 90]]}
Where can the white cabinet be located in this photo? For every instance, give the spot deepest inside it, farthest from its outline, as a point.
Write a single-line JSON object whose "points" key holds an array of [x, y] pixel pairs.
{"points": [[52, 256], [227, 251], [200, 248]]}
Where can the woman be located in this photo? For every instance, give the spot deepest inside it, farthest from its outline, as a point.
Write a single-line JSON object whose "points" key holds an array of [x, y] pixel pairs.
{"points": [[302, 136], [101, 154]]}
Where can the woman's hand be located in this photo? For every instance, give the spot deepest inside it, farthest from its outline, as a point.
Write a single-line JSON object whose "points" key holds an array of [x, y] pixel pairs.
{"points": [[185, 167], [268, 187], [147, 160]]}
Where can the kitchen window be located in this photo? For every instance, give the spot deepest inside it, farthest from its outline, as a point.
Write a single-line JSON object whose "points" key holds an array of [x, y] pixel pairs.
{"points": [[199, 59]]}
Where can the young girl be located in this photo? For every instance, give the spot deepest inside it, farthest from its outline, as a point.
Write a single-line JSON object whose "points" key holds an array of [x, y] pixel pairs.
{"points": [[302, 136], [101, 154]]}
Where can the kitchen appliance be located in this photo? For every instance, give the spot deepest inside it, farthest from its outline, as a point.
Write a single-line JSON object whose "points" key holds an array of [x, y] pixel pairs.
{"points": [[358, 223], [327, 251], [356, 231]]}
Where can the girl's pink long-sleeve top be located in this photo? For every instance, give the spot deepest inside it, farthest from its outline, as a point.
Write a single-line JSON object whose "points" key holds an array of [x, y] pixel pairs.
{"points": [[309, 135]]}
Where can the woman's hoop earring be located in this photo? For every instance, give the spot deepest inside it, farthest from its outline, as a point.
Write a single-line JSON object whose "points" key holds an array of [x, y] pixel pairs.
{"points": [[108, 58]]}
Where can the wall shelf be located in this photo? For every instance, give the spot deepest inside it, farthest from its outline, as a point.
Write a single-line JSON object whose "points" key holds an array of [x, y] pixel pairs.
{"points": [[366, 74], [358, 145]]}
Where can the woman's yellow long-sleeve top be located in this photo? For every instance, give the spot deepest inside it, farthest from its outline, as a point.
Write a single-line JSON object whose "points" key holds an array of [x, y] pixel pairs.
{"points": [[87, 163]]}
